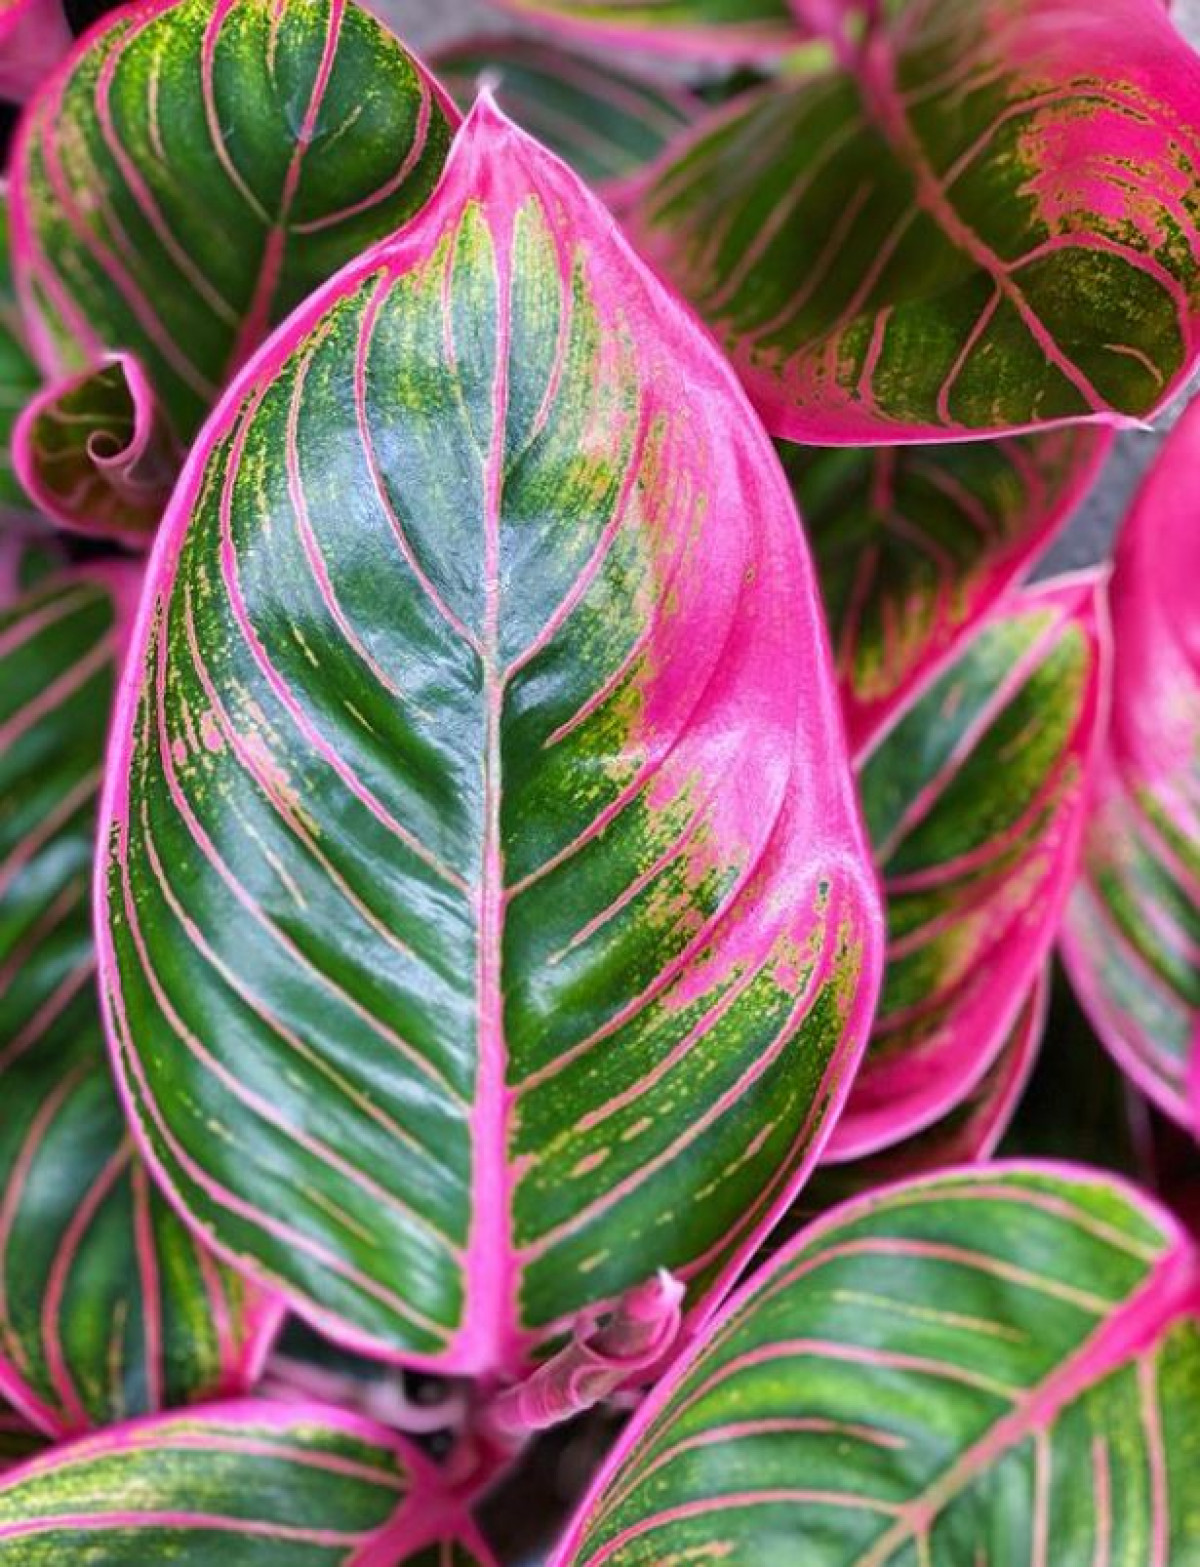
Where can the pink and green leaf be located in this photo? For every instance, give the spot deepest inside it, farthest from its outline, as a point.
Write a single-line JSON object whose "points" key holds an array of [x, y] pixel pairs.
{"points": [[915, 546], [487, 921], [34, 36], [18, 381], [195, 169], [970, 1132], [93, 455], [975, 803], [986, 221], [1132, 935], [607, 122], [997, 1364], [266, 1484], [108, 1307], [702, 29]]}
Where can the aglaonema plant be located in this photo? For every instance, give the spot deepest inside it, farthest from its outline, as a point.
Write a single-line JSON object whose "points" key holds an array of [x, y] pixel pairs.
{"points": [[108, 1307], [975, 801], [485, 919], [978, 217], [189, 174], [1132, 934]]}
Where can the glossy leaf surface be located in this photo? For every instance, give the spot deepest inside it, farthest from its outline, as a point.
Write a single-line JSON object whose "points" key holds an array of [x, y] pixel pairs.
{"points": [[990, 1366], [258, 1484], [986, 223], [1132, 937], [107, 1307], [975, 802], [916, 545], [607, 123], [197, 169], [18, 379], [482, 856], [33, 36], [713, 29]]}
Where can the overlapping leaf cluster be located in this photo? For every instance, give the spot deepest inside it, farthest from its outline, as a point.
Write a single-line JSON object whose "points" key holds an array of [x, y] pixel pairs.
{"points": [[539, 798]]}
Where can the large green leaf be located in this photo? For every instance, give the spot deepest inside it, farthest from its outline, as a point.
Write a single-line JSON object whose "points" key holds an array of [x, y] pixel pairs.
{"points": [[916, 545], [197, 169], [248, 1484], [975, 803], [980, 1367], [107, 1306], [984, 220], [488, 919]]}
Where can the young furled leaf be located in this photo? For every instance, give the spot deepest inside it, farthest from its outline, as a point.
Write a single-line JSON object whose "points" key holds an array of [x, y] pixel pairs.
{"points": [[107, 1306], [606, 122], [290, 1485], [975, 804], [916, 545], [705, 29], [195, 169], [1132, 936], [487, 922], [996, 1364], [983, 221], [33, 37]]}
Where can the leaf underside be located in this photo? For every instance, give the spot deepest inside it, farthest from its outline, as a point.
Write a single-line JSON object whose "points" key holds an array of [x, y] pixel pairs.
{"points": [[974, 803], [107, 1307], [989, 224], [424, 810], [999, 1365]]}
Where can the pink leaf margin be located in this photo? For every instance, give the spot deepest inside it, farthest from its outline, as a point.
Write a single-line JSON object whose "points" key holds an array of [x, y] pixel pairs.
{"points": [[486, 138], [1177, 1276], [1154, 733], [971, 1039], [428, 1514]]}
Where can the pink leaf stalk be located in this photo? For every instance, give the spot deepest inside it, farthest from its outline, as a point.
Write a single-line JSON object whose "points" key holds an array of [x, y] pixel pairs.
{"points": [[1132, 935], [596, 1363], [976, 802], [597, 1017], [33, 37]]}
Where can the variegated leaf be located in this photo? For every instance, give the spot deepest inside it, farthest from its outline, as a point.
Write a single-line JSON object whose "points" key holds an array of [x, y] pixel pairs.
{"points": [[970, 1132], [605, 121], [488, 920], [250, 1484], [707, 29], [198, 167], [998, 1365], [107, 1306], [975, 803], [1132, 935], [18, 381], [984, 221], [916, 545]]}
